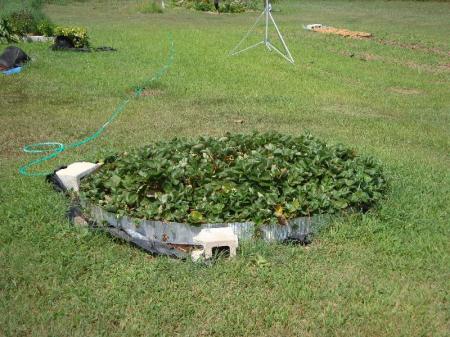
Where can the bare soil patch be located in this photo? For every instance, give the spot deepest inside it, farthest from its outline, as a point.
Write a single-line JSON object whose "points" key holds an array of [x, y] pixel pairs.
{"points": [[405, 91], [360, 56], [152, 92], [445, 66], [343, 32], [414, 46]]}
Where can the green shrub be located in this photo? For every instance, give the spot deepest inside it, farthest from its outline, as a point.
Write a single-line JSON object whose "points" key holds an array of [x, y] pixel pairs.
{"points": [[235, 6], [264, 178], [23, 17], [253, 4], [22, 22], [78, 35], [225, 6], [46, 28], [150, 6], [203, 5], [6, 33]]}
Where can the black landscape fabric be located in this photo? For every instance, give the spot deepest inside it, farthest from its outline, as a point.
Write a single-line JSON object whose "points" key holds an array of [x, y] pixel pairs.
{"points": [[13, 57]]}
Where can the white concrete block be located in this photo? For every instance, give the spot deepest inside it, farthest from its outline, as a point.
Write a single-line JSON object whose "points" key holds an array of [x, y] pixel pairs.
{"points": [[197, 254], [70, 176], [34, 38], [210, 238], [313, 26]]}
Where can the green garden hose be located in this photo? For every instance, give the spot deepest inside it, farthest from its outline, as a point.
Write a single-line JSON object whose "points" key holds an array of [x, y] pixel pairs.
{"points": [[55, 148]]}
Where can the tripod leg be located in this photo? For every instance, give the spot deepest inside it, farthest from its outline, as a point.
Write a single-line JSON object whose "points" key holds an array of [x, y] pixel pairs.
{"points": [[245, 49], [272, 47], [267, 12], [233, 51], [289, 56]]}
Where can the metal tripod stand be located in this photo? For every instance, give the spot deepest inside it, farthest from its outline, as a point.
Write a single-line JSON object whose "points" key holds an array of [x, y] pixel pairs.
{"points": [[268, 16]]}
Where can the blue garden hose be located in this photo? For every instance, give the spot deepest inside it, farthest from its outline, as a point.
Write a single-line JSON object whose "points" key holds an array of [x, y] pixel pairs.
{"points": [[54, 149]]}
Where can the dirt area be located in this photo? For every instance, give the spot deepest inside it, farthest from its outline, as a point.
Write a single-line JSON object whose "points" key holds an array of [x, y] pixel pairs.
{"points": [[183, 248], [433, 69], [429, 68], [152, 92], [405, 91], [369, 57], [343, 32], [414, 46], [359, 56], [364, 35]]}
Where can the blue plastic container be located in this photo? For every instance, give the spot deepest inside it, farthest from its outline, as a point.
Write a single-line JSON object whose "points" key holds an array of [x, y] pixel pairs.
{"points": [[12, 71]]}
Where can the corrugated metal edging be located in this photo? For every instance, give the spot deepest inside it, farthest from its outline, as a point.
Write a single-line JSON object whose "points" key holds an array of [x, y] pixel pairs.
{"points": [[182, 233]]}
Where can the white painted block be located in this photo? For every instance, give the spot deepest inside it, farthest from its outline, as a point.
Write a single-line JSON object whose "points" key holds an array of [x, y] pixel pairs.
{"points": [[313, 26], [70, 176], [33, 38], [210, 238], [197, 254]]}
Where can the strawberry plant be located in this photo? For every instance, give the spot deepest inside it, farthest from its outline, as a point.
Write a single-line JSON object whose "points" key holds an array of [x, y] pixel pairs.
{"points": [[261, 177]]}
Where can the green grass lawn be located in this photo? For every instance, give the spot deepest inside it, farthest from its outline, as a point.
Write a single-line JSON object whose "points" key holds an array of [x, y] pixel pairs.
{"points": [[385, 273]]}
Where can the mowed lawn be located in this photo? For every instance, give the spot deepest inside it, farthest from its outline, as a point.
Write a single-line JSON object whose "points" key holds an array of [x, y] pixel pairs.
{"points": [[384, 273]]}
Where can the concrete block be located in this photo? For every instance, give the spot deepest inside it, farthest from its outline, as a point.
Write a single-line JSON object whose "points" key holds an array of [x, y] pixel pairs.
{"points": [[70, 176], [313, 26], [210, 238], [34, 38], [197, 254]]}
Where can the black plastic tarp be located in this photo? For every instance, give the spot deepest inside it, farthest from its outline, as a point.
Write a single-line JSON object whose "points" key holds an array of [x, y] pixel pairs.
{"points": [[13, 57]]}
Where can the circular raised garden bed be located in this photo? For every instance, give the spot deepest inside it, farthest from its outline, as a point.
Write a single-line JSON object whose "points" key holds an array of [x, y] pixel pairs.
{"points": [[269, 185]]}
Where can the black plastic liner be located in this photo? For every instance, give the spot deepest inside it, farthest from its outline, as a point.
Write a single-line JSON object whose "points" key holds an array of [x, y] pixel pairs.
{"points": [[13, 57], [63, 43], [75, 214]]}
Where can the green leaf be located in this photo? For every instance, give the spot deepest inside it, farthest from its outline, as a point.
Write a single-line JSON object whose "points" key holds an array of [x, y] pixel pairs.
{"points": [[115, 180], [195, 217]]}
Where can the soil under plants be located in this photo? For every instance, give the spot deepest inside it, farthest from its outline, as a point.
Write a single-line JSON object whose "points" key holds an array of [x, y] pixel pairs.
{"points": [[261, 177]]}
